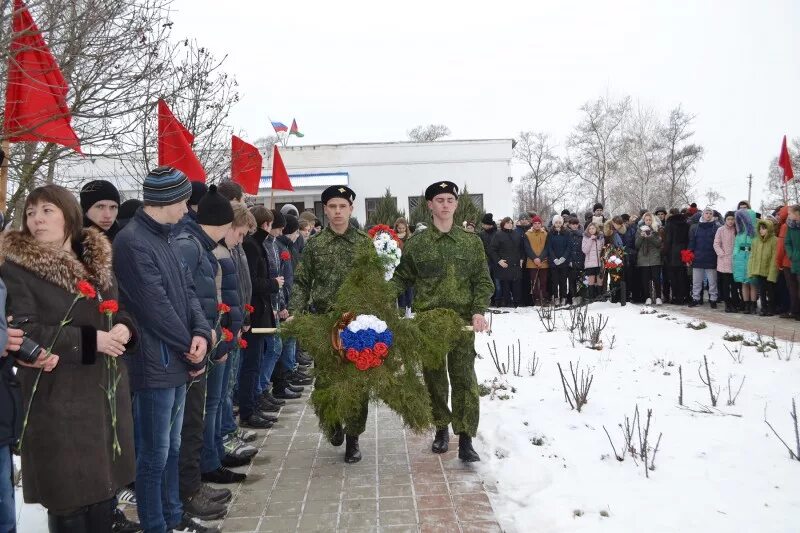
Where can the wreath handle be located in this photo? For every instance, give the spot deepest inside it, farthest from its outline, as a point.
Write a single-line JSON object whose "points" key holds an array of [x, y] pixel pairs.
{"points": [[336, 339]]}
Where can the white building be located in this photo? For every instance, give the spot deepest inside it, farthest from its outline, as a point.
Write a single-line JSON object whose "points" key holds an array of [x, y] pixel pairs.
{"points": [[406, 168]]}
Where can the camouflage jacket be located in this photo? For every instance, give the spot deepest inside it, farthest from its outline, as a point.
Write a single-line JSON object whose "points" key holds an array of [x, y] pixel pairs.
{"points": [[447, 270], [325, 262]]}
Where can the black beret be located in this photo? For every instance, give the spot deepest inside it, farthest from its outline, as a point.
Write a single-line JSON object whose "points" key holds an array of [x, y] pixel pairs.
{"points": [[441, 187], [338, 191]]}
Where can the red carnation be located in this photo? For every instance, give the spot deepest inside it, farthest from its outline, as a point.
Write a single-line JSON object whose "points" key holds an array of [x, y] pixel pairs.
{"points": [[227, 335], [85, 289], [375, 361], [109, 307], [249, 308], [687, 256], [242, 344], [362, 363], [367, 353], [352, 355], [380, 349], [285, 255], [223, 308]]}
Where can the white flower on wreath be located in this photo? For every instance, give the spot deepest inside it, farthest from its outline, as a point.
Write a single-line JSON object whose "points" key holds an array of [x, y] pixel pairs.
{"points": [[363, 322]]}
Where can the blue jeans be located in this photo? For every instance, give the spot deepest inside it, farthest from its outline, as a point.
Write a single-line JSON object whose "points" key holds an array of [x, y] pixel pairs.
{"points": [[272, 352], [7, 508], [288, 356], [212, 422], [229, 382], [250, 375], [157, 449]]}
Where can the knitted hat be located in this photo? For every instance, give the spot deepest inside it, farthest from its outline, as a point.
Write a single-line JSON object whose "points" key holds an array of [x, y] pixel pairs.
{"points": [[213, 209], [279, 221], [128, 209], [97, 191], [199, 189], [166, 186], [661, 210], [289, 209], [292, 225], [488, 219], [558, 218], [535, 219], [565, 212]]}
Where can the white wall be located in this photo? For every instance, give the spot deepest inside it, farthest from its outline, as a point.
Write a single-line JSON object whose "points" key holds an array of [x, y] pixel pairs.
{"points": [[406, 168]]}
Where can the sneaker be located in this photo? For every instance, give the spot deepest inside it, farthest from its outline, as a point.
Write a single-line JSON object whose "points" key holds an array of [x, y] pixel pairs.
{"points": [[649, 301], [123, 525], [222, 476], [246, 435], [238, 449], [286, 394], [189, 525], [298, 378], [200, 506], [127, 496], [658, 301], [255, 422], [295, 388], [216, 495], [229, 461]]}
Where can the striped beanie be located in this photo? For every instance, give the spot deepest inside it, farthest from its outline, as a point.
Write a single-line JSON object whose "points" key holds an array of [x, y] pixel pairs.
{"points": [[166, 186]]}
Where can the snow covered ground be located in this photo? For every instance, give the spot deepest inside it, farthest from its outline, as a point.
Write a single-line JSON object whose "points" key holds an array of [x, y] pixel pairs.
{"points": [[550, 469]]}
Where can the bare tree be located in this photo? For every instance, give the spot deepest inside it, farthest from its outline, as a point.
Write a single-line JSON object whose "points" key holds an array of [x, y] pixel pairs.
{"points": [[429, 133], [640, 183], [774, 189], [595, 146], [541, 185], [682, 156], [714, 198]]}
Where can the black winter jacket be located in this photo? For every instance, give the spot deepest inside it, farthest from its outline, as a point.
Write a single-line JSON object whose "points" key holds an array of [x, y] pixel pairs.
{"points": [[196, 249], [506, 244], [230, 295], [676, 238], [264, 287]]}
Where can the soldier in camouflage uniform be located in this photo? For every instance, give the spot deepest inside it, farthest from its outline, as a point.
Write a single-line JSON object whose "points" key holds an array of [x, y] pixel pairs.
{"points": [[447, 267], [326, 261]]}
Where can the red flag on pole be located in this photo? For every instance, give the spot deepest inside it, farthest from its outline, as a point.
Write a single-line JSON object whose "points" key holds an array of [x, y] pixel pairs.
{"points": [[245, 165], [36, 93], [175, 145], [785, 162], [280, 178]]}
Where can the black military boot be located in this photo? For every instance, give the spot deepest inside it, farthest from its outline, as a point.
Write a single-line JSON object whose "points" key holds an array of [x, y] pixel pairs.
{"points": [[73, 523], [465, 450], [441, 441], [337, 437], [351, 452]]}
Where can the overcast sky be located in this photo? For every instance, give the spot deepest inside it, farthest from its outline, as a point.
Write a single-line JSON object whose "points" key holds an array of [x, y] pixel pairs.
{"points": [[369, 71]]}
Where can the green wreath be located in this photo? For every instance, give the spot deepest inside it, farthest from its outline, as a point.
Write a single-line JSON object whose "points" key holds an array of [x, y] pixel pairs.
{"points": [[422, 341]]}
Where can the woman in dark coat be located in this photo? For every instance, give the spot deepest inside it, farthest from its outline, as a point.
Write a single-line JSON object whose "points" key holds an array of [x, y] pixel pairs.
{"points": [[676, 238], [505, 252], [67, 455]]}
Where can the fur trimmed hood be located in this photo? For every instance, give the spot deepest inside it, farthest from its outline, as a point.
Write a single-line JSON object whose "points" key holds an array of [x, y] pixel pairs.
{"points": [[60, 267]]}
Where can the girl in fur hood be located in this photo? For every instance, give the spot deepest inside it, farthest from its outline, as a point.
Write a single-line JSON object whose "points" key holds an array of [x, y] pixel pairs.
{"points": [[742, 245]]}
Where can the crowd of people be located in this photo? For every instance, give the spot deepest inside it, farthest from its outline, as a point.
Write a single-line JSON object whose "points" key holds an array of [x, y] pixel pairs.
{"points": [[190, 284], [748, 261]]}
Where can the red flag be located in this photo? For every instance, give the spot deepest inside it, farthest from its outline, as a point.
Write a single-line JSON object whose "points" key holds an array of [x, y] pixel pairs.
{"points": [[245, 165], [175, 145], [280, 178], [785, 162], [36, 93]]}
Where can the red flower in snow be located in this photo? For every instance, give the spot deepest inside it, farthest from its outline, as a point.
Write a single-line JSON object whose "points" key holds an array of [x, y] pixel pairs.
{"points": [[86, 289], [109, 307], [227, 335], [285, 255]]}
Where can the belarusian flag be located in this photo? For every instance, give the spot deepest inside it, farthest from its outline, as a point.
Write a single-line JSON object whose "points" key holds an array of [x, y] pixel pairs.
{"points": [[294, 130]]}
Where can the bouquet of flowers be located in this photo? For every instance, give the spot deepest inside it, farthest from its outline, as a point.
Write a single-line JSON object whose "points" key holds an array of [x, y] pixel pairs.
{"points": [[613, 262], [687, 257], [366, 341], [387, 244]]}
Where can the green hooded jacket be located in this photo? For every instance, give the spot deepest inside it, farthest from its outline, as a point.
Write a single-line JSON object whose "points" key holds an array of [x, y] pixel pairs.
{"points": [[762, 255]]}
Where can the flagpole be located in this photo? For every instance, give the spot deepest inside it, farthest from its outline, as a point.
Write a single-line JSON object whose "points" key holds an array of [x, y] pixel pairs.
{"points": [[5, 145]]}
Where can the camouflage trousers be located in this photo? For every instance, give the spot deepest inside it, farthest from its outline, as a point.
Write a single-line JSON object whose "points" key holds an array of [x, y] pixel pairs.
{"points": [[354, 425], [460, 367]]}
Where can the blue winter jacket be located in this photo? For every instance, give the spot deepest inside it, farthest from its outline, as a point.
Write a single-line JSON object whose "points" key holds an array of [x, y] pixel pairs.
{"points": [[559, 246], [230, 295], [576, 257], [157, 290], [196, 249], [701, 242]]}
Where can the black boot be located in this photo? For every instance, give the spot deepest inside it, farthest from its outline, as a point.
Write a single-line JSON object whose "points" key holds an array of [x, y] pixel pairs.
{"points": [[73, 523], [441, 441], [100, 516], [465, 450], [351, 452], [337, 437]]}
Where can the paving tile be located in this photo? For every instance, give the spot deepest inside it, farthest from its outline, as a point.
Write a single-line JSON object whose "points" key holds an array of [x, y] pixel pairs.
{"points": [[310, 523], [442, 527], [437, 501], [437, 517], [320, 507], [466, 487], [429, 477], [284, 509], [397, 517], [231, 524], [474, 512], [396, 504], [394, 491], [481, 527], [247, 508], [351, 521], [386, 480], [360, 506], [353, 493], [278, 524], [399, 529]]}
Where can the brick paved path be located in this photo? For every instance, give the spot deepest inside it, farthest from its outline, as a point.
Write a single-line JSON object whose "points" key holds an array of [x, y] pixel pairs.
{"points": [[299, 482], [782, 327]]}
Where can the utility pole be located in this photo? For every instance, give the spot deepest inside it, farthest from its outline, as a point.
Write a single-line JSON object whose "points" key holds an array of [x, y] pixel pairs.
{"points": [[749, 187]]}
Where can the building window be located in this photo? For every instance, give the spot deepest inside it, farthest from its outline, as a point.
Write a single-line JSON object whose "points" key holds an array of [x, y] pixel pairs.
{"points": [[371, 204], [477, 199]]}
